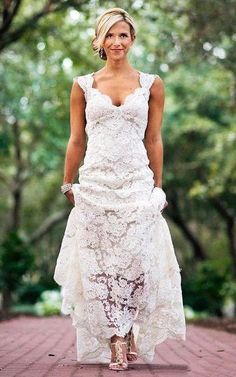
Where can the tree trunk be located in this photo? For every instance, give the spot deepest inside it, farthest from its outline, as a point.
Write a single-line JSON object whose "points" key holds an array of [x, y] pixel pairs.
{"points": [[47, 225], [176, 216], [6, 303], [230, 230], [17, 180]]}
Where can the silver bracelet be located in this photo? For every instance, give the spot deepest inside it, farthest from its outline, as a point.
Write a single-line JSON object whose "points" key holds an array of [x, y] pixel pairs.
{"points": [[66, 187]]}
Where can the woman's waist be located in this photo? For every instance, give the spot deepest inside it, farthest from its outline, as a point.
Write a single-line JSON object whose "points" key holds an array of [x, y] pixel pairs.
{"points": [[116, 146], [114, 185], [115, 159], [114, 194], [117, 173]]}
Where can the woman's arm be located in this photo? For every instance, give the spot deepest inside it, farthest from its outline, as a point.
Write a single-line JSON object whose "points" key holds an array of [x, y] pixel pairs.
{"points": [[152, 138], [77, 142]]}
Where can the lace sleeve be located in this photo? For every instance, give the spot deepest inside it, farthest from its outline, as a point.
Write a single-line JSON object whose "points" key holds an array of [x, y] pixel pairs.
{"points": [[152, 79], [149, 80], [81, 80]]}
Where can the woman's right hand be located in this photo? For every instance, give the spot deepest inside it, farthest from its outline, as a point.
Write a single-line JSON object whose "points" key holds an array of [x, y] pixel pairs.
{"points": [[70, 196]]}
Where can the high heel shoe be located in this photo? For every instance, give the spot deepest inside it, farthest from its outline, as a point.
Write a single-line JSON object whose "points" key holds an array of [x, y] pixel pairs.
{"points": [[119, 363], [131, 355]]}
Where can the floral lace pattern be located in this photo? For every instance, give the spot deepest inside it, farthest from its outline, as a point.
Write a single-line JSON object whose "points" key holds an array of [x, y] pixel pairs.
{"points": [[117, 265]]}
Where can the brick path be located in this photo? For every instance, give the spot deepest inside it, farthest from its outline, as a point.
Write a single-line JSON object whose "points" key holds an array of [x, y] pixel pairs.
{"points": [[45, 347]]}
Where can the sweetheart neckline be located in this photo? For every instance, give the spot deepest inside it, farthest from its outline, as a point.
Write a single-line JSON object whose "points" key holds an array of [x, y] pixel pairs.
{"points": [[126, 98], [110, 100]]}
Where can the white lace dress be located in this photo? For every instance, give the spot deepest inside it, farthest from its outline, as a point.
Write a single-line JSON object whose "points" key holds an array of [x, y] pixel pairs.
{"points": [[117, 265]]}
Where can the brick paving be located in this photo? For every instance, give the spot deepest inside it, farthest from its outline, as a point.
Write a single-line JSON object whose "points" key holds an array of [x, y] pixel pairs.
{"points": [[45, 347]]}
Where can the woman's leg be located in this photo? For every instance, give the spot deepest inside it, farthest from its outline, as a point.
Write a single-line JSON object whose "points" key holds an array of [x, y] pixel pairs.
{"points": [[118, 353]]}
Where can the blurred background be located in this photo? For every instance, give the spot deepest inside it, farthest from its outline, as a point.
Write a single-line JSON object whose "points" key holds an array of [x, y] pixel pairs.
{"points": [[191, 45]]}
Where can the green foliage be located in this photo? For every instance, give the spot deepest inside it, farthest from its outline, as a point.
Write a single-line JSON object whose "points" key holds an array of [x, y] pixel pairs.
{"points": [[189, 313], [203, 289], [29, 293], [229, 290], [16, 258], [49, 303], [23, 309]]}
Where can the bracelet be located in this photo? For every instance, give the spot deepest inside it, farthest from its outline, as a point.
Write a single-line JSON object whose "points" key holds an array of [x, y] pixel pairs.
{"points": [[66, 187]]}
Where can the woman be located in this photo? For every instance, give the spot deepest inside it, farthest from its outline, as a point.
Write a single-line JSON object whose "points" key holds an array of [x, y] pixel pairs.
{"points": [[120, 278]]}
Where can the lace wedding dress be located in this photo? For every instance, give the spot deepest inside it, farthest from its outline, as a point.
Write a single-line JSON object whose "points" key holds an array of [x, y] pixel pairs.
{"points": [[117, 265]]}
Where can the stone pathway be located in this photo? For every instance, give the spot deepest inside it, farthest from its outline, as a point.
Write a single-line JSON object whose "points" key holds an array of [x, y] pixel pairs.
{"points": [[45, 347]]}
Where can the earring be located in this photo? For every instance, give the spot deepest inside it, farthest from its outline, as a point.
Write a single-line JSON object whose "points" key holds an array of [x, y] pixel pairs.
{"points": [[102, 53]]}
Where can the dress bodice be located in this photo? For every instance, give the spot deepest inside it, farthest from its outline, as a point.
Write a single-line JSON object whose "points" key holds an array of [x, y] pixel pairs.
{"points": [[116, 160], [131, 116]]}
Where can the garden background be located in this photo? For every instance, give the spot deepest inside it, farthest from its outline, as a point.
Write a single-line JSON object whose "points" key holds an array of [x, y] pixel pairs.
{"points": [[191, 45]]}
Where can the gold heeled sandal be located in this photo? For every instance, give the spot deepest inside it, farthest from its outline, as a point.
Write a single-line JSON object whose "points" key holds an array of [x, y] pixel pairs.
{"points": [[131, 355], [119, 363]]}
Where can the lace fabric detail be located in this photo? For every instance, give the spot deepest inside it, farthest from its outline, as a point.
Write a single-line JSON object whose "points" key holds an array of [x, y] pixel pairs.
{"points": [[117, 265]]}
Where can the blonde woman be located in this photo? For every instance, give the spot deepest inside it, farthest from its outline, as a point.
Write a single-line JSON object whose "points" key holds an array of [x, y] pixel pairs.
{"points": [[120, 278]]}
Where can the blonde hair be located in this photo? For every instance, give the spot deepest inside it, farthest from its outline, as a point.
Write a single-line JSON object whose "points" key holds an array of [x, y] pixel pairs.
{"points": [[104, 22]]}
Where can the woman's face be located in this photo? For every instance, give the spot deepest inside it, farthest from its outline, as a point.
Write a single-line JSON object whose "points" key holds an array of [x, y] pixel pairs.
{"points": [[118, 41]]}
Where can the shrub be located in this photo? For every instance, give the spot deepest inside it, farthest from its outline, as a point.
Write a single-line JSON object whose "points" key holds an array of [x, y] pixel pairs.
{"points": [[49, 303]]}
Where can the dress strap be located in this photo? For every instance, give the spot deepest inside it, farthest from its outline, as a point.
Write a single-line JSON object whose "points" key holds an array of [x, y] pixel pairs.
{"points": [[83, 82], [147, 81]]}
